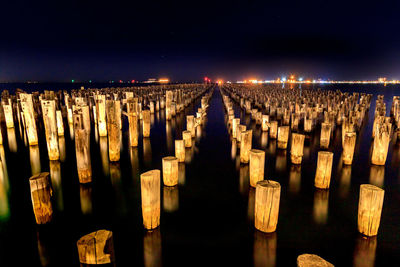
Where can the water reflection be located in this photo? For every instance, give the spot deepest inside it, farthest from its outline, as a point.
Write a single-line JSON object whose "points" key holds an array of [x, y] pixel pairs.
{"points": [[43, 248], [61, 145], [321, 203], [115, 177], [377, 175], [244, 179], [71, 131], [364, 252], [104, 154], [264, 139], [152, 250], [281, 160], [170, 198], [134, 155], [35, 159], [85, 192], [189, 152], [295, 179], [169, 138], [55, 176], [198, 133], [271, 150], [4, 186], [147, 157], [345, 181], [251, 204], [234, 149], [12, 140], [181, 173], [264, 249]]}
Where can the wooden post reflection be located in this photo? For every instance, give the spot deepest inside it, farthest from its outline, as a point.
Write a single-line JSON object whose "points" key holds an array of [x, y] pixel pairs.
{"points": [[365, 251], [264, 249], [34, 156], [170, 198], [152, 250], [85, 193], [295, 179], [321, 205]]}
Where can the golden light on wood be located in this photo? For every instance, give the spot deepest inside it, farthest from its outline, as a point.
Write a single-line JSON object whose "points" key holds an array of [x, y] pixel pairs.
{"points": [[152, 248], [283, 136], [235, 123], [113, 130], [365, 251], [8, 115], [264, 123], [190, 125], [85, 193], [60, 123], [96, 248], [41, 193], [146, 123], [245, 146], [257, 161], [264, 249], [29, 118], [370, 209], [101, 115], [297, 147], [324, 170], [268, 195], [273, 129], [82, 149], [321, 205], [180, 150], [170, 171], [187, 138], [325, 135], [349, 145], [150, 191], [380, 145], [133, 129], [311, 260], [241, 128]]}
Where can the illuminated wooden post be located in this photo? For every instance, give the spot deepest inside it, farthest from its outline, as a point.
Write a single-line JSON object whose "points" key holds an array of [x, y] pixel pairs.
{"points": [[187, 138], [283, 137], [349, 144], [257, 161], [370, 209], [324, 170], [133, 129], [29, 118], [325, 135], [241, 128], [273, 129], [180, 150], [235, 123], [307, 125], [8, 115], [146, 123], [296, 150], [268, 195], [381, 145], [190, 125], [96, 248], [60, 123], [82, 148], [245, 146], [170, 171], [101, 115], [41, 192], [311, 260], [113, 129], [50, 125], [265, 123], [150, 191]]}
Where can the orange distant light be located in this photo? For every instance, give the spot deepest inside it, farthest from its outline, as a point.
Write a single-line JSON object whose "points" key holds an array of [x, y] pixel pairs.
{"points": [[163, 80]]}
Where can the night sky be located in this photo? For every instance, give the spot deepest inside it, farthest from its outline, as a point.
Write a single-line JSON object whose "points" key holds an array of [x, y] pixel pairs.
{"points": [[185, 41]]}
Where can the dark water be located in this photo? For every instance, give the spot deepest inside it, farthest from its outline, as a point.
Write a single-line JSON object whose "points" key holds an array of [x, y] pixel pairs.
{"points": [[208, 218]]}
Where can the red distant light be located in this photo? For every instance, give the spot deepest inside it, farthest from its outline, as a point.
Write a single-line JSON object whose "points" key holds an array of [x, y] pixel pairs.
{"points": [[132, 81]]}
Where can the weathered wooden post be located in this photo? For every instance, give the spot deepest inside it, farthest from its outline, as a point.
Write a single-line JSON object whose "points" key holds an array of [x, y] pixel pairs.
{"points": [[187, 138], [60, 123], [273, 129], [29, 118], [268, 194], [170, 171], [41, 193], [82, 148], [370, 209], [325, 135], [180, 150], [133, 129], [265, 123], [296, 150], [150, 190], [101, 115], [324, 170], [190, 125], [311, 260], [257, 161], [113, 129], [245, 146], [96, 248], [146, 123], [349, 144], [283, 137], [381, 145]]}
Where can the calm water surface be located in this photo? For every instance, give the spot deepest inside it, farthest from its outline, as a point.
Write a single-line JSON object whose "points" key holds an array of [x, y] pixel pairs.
{"points": [[208, 218]]}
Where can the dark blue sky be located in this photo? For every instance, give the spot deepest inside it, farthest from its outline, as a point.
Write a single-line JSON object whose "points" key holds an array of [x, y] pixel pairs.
{"points": [[82, 40]]}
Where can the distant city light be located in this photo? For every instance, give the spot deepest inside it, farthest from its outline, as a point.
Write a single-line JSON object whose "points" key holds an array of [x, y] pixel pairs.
{"points": [[163, 80], [72, 81]]}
